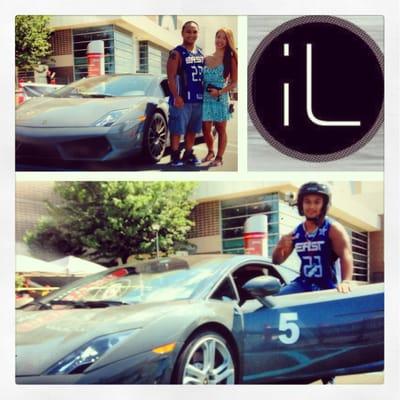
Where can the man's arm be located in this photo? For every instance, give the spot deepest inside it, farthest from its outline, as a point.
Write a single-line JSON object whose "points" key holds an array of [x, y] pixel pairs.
{"points": [[342, 247], [174, 60], [283, 249]]}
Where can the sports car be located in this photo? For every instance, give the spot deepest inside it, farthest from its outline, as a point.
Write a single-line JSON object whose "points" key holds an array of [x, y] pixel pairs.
{"points": [[96, 119], [27, 90], [197, 320]]}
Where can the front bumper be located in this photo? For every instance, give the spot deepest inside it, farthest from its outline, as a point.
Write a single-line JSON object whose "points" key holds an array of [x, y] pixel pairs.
{"points": [[144, 368], [78, 144]]}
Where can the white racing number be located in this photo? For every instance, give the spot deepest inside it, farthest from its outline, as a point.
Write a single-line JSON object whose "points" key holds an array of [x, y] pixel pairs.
{"points": [[314, 267], [196, 73], [288, 325]]}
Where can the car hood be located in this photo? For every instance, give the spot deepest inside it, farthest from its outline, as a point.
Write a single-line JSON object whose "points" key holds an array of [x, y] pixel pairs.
{"points": [[45, 337], [53, 112]]}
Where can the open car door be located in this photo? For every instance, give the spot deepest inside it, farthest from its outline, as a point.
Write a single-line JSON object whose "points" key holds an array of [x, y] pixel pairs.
{"points": [[303, 337]]}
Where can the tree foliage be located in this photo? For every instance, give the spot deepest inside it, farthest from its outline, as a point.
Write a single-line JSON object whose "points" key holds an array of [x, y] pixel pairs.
{"points": [[114, 219], [32, 34]]}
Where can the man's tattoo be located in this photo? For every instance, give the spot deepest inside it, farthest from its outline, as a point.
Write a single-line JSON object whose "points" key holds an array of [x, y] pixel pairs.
{"points": [[172, 55]]}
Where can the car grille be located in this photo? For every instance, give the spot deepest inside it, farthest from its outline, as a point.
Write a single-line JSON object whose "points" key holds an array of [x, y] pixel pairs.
{"points": [[32, 150], [92, 148]]}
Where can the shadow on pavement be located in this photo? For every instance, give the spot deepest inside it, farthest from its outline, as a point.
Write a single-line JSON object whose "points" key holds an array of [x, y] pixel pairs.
{"points": [[122, 165]]}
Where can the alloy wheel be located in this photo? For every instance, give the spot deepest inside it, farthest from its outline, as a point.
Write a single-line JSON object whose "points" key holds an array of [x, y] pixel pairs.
{"points": [[157, 137], [209, 362]]}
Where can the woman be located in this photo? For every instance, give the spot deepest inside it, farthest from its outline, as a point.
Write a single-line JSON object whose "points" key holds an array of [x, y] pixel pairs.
{"points": [[50, 76], [219, 77]]}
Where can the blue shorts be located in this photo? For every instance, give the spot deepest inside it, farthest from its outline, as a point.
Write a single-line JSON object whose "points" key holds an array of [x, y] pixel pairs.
{"points": [[300, 285], [184, 120]]}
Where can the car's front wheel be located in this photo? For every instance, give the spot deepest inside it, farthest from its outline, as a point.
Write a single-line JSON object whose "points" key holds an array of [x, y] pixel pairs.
{"points": [[206, 360], [155, 138]]}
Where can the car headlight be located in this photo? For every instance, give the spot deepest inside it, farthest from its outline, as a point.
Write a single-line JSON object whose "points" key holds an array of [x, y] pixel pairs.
{"points": [[86, 355], [110, 118]]}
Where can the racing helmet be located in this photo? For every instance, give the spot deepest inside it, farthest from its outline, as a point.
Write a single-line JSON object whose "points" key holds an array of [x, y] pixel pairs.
{"points": [[314, 188]]}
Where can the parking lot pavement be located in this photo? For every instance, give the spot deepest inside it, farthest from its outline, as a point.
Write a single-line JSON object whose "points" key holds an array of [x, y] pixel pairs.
{"points": [[200, 149], [230, 156], [373, 378]]}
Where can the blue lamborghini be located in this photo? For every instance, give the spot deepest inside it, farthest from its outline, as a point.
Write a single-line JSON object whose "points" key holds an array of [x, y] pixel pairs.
{"points": [[197, 320]]}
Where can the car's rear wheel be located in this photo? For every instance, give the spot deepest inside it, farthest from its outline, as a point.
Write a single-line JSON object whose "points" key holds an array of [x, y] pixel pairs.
{"points": [[155, 138], [206, 360]]}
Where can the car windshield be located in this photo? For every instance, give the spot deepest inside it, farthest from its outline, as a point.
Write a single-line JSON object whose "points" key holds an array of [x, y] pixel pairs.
{"points": [[37, 91], [108, 86], [151, 281]]}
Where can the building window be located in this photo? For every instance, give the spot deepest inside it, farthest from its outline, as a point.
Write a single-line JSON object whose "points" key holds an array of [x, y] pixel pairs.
{"points": [[359, 245], [143, 57], [164, 60], [168, 22], [152, 59], [25, 75], [123, 52], [118, 49], [234, 213]]}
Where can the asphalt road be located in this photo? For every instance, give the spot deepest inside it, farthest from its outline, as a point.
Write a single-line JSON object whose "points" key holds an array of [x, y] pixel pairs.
{"points": [[230, 156], [200, 149]]}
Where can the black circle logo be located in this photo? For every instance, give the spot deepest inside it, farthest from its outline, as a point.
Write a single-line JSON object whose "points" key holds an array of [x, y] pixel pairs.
{"points": [[316, 88]]}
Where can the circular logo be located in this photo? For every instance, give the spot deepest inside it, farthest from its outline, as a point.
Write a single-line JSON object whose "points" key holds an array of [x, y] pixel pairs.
{"points": [[316, 88]]}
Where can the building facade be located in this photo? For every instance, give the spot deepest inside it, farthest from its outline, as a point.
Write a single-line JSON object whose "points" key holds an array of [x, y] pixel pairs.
{"points": [[131, 43], [222, 211]]}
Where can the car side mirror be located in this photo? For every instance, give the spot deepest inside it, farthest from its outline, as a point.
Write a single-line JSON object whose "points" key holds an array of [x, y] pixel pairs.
{"points": [[261, 287], [165, 87]]}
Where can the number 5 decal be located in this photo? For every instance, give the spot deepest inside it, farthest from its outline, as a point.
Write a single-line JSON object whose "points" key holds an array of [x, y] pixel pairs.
{"points": [[287, 322]]}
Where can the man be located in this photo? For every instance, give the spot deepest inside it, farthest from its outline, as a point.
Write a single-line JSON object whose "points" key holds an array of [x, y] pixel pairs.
{"points": [[185, 81], [320, 243]]}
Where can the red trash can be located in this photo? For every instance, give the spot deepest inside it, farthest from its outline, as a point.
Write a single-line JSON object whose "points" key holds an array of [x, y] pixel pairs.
{"points": [[256, 235], [95, 57]]}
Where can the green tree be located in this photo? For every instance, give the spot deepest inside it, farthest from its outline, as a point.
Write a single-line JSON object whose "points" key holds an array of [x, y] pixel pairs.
{"points": [[114, 219], [32, 34]]}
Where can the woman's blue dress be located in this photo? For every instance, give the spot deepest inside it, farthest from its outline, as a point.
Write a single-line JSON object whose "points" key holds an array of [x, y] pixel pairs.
{"points": [[214, 109]]}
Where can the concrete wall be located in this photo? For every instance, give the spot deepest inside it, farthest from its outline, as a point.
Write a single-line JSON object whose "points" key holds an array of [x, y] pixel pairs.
{"points": [[30, 205]]}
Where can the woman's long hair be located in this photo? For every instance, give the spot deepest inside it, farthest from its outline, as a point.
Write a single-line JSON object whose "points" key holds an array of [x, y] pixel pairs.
{"points": [[230, 51]]}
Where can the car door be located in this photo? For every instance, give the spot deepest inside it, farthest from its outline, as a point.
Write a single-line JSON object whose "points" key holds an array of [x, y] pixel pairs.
{"points": [[305, 336], [270, 335]]}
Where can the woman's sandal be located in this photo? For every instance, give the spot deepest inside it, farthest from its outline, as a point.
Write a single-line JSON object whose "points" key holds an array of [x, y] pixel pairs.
{"points": [[210, 155], [216, 163]]}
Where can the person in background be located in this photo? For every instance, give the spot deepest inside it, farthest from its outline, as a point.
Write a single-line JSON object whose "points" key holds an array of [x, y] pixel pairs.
{"points": [[50, 77], [220, 76]]}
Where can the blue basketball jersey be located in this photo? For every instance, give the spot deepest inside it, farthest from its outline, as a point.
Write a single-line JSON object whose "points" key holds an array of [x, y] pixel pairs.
{"points": [[189, 79], [317, 256]]}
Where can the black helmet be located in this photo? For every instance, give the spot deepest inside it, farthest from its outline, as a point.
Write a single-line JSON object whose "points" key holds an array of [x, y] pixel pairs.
{"points": [[314, 188]]}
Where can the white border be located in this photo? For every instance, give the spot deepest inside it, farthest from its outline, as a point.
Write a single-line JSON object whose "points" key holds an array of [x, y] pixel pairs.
{"points": [[389, 9]]}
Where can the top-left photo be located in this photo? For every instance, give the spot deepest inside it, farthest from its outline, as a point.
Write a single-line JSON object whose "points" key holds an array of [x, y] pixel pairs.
{"points": [[126, 93]]}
